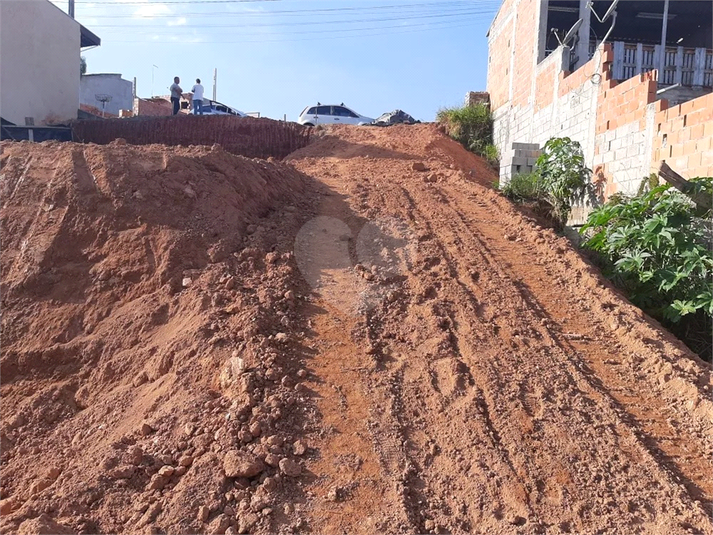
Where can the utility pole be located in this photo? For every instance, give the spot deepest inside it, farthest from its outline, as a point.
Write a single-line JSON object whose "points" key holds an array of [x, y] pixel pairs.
{"points": [[215, 84], [664, 29], [152, 77], [70, 10]]}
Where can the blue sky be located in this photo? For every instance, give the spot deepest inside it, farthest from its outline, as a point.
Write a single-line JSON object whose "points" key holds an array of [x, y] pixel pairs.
{"points": [[278, 56]]}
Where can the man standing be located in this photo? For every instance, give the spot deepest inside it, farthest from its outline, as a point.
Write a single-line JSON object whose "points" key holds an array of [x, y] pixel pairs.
{"points": [[176, 93], [197, 98]]}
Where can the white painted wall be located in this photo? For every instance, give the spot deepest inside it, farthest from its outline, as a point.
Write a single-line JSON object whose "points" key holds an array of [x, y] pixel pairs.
{"points": [[121, 92], [572, 115], [627, 152], [39, 62]]}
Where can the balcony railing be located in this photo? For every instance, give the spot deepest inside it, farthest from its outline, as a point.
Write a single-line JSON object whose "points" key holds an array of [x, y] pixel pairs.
{"points": [[690, 67]]}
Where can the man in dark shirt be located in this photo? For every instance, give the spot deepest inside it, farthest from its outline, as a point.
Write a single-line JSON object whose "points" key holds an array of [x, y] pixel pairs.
{"points": [[176, 93]]}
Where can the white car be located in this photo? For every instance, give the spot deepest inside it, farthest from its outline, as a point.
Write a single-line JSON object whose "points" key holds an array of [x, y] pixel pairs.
{"points": [[211, 107], [331, 114]]}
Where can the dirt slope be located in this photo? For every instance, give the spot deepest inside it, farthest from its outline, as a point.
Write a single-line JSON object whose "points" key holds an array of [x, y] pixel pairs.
{"points": [[368, 339]]}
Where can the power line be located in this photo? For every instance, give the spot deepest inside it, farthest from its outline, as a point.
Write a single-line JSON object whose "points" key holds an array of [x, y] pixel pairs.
{"points": [[277, 24], [341, 36], [296, 13]]}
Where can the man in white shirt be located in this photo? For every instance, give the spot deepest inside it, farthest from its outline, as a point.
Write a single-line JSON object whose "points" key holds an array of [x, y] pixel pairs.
{"points": [[197, 98]]}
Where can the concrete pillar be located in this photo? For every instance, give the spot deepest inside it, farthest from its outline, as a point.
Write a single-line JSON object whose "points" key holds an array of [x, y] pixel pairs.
{"points": [[582, 50], [664, 28]]}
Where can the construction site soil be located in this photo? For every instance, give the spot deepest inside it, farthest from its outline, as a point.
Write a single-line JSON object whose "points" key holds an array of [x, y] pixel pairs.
{"points": [[363, 338]]}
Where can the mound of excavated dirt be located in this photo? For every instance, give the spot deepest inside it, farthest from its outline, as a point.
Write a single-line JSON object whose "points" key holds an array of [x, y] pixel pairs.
{"points": [[365, 338], [140, 301]]}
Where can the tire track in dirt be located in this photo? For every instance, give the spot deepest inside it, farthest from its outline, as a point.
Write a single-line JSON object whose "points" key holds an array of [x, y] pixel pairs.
{"points": [[648, 416], [507, 424]]}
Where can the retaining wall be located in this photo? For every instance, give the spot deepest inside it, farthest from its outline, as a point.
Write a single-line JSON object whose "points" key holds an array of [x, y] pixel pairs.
{"points": [[246, 136]]}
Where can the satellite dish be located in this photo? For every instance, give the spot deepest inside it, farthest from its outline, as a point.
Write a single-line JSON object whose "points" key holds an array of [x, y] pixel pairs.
{"points": [[570, 34]]}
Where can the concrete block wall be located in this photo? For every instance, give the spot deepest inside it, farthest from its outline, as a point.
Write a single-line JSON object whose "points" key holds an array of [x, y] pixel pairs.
{"points": [[622, 127], [683, 137], [624, 130]]}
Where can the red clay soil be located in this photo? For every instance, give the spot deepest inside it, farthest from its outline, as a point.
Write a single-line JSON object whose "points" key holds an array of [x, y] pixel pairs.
{"points": [[366, 338]]}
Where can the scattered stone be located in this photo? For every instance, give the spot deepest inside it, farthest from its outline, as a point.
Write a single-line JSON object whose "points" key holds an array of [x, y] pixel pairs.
{"points": [[290, 468], [231, 531], [259, 501], [247, 522], [219, 525], [203, 513], [123, 472], [270, 484], [186, 461], [274, 440], [290, 295], [287, 382], [229, 510], [299, 447], [135, 455], [255, 429], [302, 374], [180, 471], [245, 436], [288, 508], [429, 525], [267, 511], [334, 494], [242, 464], [157, 482], [272, 460], [186, 282], [419, 166], [281, 337], [166, 471], [146, 429]]}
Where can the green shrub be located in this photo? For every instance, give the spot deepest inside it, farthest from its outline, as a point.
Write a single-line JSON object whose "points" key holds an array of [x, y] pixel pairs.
{"points": [[656, 246], [565, 178], [471, 126], [524, 187], [560, 178]]}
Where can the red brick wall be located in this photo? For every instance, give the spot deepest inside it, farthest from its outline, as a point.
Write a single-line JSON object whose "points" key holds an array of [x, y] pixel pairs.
{"points": [[499, 67], [246, 136], [152, 108], [683, 136], [626, 102], [526, 40], [544, 87]]}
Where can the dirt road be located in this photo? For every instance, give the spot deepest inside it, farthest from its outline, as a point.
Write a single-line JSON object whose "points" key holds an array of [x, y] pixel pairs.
{"points": [[435, 361]]}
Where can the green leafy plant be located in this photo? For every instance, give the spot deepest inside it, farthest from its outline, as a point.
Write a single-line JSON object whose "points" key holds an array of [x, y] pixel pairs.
{"points": [[565, 178], [559, 179], [524, 187], [656, 246], [472, 126]]}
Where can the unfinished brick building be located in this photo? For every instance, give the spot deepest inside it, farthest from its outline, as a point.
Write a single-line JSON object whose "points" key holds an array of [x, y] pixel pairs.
{"points": [[634, 89]]}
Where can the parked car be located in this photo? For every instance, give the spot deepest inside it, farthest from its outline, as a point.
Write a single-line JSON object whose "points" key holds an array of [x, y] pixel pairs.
{"points": [[211, 107], [331, 114]]}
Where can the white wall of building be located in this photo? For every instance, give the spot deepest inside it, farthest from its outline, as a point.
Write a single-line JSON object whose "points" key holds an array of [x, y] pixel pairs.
{"points": [[121, 92], [39, 62]]}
